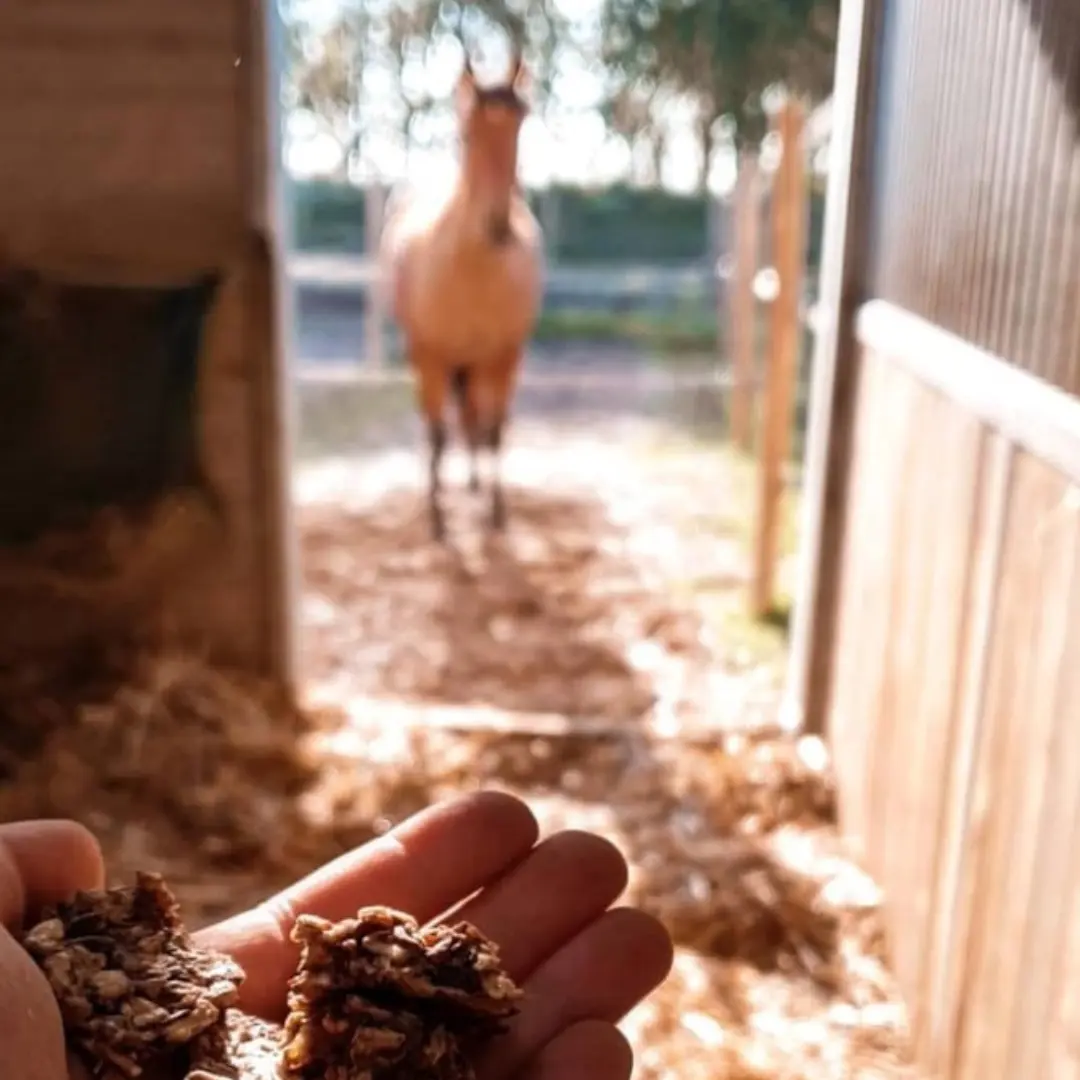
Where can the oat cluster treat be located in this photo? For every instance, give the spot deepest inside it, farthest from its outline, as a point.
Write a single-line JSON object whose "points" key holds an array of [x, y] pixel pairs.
{"points": [[376, 997], [379, 996], [132, 987]]}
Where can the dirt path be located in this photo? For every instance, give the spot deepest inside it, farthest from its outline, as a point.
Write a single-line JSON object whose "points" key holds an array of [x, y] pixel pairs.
{"points": [[596, 661], [615, 596]]}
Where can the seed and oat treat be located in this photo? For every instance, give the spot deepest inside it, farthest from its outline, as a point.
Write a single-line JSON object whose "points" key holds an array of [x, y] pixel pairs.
{"points": [[132, 987], [376, 997], [380, 998]]}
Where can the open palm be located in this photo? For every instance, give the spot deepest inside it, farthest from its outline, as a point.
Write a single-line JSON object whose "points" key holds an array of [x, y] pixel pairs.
{"points": [[582, 964]]}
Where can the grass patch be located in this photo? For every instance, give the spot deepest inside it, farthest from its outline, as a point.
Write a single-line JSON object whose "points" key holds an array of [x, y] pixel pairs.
{"points": [[675, 333], [741, 471], [748, 641], [757, 642]]}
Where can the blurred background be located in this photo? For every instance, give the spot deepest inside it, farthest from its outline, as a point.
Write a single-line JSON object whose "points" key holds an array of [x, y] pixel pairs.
{"points": [[630, 158], [644, 116]]}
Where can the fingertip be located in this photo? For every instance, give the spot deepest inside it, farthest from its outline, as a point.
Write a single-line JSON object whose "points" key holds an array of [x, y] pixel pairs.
{"points": [[652, 945], [605, 861], [606, 970], [565, 883], [588, 1050], [53, 858], [504, 815]]}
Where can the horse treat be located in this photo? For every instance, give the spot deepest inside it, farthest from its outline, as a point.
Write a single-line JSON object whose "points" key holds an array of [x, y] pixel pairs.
{"points": [[375, 997]]}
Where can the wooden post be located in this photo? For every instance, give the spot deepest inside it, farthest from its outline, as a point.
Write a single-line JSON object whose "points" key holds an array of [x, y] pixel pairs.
{"points": [[835, 371], [550, 221], [743, 306], [375, 321], [785, 334]]}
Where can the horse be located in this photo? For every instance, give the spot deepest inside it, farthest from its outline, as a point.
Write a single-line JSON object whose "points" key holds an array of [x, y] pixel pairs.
{"points": [[465, 277]]}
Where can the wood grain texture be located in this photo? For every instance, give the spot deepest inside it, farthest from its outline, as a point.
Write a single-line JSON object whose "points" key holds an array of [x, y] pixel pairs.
{"points": [[979, 197], [140, 147], [834, 388], [1033, 625], [938, 641], [121, 132], [954, 720]]}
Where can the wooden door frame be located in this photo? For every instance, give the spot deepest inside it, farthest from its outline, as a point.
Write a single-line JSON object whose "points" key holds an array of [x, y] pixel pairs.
{"points": [[845, 251], [268, 219]]}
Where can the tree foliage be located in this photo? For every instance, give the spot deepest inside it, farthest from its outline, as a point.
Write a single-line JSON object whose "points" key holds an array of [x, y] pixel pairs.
{"points": [[328, 61], [325, 72], [722, 54]]}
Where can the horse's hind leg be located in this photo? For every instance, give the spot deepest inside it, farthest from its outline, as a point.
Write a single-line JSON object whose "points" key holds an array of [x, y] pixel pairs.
{"points": [[498, 499], [431, 390], [464, 387]]}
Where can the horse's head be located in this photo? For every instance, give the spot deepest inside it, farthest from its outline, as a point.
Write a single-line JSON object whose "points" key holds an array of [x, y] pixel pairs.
{"points": [[490, 119]]}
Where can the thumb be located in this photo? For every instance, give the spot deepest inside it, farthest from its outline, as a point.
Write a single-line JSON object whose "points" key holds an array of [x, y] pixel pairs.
{"points": [[41, 862], [33, 1044]]}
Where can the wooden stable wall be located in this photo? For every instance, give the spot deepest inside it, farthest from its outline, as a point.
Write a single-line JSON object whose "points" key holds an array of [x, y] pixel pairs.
{"points": [[937, 629], [140, 147], [955, 706]]}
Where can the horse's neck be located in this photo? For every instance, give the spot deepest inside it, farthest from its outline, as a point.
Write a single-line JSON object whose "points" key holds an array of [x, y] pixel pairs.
{"points": [[478, 193]]}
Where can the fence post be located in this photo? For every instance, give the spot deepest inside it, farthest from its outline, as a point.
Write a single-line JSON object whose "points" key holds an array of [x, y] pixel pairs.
{"points": [[550, 221], [742, 303], [785, 334], [375, 313]]}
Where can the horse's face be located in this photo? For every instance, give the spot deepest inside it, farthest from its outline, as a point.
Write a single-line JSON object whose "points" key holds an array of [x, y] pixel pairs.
{"points": [[490, 119]]}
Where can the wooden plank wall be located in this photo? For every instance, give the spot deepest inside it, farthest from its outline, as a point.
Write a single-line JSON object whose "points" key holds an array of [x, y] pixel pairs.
{"points": [[136, 149], [124, 141], [955, 720], [977, 192], [940, 620]]}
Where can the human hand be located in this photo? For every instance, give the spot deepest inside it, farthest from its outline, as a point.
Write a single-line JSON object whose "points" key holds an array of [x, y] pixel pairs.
{"points": [[546, 906], [582, 966], [41, 862]]}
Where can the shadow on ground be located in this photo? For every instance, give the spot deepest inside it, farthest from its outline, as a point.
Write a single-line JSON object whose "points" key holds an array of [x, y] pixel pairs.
{"points": [[542, 619]]}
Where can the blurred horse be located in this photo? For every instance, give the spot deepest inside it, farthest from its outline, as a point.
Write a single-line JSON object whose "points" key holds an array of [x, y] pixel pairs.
{"points": [[465, 279]]}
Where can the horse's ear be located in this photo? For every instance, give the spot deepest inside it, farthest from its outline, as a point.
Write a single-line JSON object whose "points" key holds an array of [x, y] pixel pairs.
{"points": [[466, 88], [520, 79]]}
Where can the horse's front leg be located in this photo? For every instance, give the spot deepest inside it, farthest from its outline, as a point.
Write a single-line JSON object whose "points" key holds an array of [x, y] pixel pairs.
{"points": [[503, 380], [431, 379]]}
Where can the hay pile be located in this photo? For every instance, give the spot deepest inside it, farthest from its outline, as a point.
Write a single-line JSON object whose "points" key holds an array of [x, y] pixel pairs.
{"points": [[211, 779]]}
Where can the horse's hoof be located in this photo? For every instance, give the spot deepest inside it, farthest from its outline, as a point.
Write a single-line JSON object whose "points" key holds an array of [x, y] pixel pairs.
{"points": [[474, 483]]}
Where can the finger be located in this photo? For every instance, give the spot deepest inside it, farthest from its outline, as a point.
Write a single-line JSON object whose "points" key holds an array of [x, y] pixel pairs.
{"points": [[591, 1050], [32, 1046], [565, 883], [600, 975], [44, 862], [423, 867]]}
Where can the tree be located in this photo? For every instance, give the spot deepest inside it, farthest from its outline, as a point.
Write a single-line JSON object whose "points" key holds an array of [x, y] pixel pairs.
{"points": [[631, 113], [537, 27], [724, 55], [411, 30], [326, 74], [398, 38]]}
